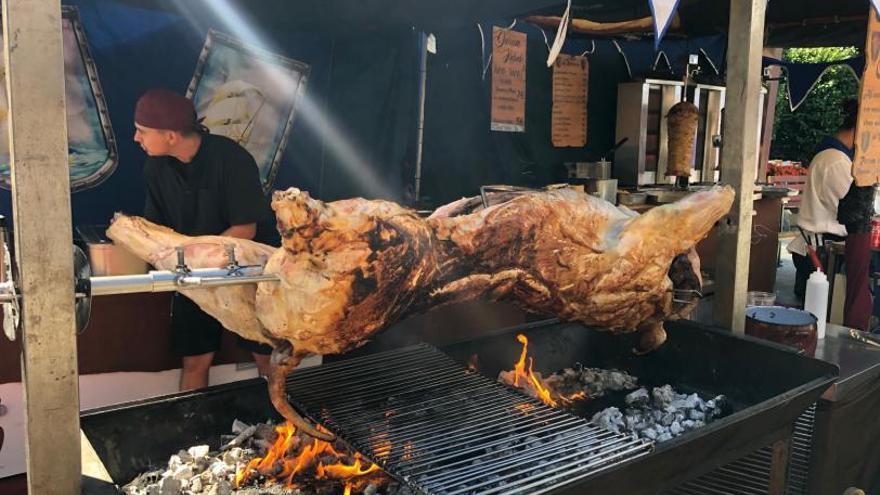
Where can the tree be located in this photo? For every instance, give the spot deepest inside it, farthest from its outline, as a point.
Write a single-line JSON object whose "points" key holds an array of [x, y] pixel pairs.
{"points": [[798, 133]]}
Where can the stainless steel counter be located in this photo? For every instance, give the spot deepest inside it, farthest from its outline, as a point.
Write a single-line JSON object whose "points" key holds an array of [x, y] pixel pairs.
{"points": [[858, 362]]}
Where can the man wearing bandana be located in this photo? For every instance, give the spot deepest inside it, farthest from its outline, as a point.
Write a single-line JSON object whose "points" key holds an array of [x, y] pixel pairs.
{"points": [[197, 183]]}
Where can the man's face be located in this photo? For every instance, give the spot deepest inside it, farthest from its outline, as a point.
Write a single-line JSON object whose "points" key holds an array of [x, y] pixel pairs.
{"points": [[155, 142]]}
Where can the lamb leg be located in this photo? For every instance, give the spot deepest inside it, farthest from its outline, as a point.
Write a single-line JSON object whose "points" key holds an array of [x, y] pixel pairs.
{"points": [[651, 337], [282, 362]]}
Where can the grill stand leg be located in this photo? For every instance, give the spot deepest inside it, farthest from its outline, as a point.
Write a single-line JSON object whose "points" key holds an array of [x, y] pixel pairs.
{"points": [[779, 466]]}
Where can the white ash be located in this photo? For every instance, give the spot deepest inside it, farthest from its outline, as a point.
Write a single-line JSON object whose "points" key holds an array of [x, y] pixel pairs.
{"points": [[200, 471], [193, 471], [661, 415], [594, 382]]}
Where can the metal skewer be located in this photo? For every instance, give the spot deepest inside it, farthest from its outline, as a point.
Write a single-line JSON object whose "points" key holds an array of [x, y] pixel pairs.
{"points": [[182, 278]]}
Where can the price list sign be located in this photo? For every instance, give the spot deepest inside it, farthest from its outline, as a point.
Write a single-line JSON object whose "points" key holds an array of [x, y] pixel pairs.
{"points": [[866, 165], [508, 80], [569, 119]]}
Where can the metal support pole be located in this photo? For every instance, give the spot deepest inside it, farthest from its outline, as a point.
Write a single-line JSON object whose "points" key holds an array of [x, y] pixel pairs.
{"points": [[33, 52], [423, 79], [745, 43], [769, 114]]}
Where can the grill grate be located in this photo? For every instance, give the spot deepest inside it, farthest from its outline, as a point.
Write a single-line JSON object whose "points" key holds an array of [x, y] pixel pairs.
{"points": [[444, 430]]}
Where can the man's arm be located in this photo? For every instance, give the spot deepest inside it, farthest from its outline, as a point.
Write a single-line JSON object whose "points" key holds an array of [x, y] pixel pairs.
{"points": [[243, 231]]}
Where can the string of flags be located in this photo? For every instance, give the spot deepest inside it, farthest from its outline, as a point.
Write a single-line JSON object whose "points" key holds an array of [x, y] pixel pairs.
{"points": [[663, 12]]}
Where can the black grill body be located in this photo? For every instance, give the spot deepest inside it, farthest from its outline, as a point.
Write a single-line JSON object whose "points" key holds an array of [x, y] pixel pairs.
{"points": [[401, 399]]}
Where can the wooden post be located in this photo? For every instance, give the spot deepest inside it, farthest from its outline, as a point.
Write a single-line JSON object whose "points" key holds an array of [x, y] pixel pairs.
{"points": [[745, 43], [33, 52], [779, 464]]}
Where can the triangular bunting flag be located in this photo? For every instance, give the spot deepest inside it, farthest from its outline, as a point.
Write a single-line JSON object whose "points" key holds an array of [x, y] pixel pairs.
{"points": [[664, 11], [560, 36]]}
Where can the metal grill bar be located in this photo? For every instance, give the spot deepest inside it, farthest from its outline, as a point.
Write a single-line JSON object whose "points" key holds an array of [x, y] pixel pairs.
{"points": [[444, 430], [438, 444], [489, 420], [451, 474], [515, 462], [452, 453], [472, 391]]}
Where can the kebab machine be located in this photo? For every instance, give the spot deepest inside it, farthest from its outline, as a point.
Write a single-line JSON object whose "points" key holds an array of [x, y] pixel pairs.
{"points": [[673, 132]]}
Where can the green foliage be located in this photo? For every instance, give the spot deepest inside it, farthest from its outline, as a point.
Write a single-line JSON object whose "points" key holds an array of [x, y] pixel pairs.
{"points": [[796, 134]]}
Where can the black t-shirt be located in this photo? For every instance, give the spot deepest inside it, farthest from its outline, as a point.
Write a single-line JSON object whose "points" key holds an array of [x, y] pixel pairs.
{"points": [[219, 188]]}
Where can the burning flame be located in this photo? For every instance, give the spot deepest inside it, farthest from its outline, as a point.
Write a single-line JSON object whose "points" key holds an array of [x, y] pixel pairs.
{"points": [[523, 376], [568, 400], [308, 456], [341, 471], [520, 373]]}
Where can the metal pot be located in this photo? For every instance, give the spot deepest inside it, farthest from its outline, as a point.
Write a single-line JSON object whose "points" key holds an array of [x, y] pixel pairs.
{"points": [[605, 189], [788, 326], [628, 198]]}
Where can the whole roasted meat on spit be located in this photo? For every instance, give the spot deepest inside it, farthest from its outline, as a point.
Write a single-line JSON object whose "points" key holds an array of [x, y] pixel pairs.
{"points": [[350, 268]]}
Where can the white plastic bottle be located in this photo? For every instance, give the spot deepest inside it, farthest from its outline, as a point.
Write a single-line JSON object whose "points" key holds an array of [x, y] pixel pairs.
{"points": [[816, 300]]}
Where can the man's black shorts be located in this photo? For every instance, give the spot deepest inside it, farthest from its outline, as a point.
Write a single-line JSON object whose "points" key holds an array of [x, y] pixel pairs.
{"points": [[194, 332]]}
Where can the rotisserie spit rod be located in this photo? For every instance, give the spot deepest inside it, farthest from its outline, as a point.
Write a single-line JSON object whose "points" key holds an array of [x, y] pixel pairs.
{"points": [[159, 281]]}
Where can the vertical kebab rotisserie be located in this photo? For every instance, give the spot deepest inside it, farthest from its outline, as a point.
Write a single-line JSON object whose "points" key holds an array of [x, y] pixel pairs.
{"points": [[682, 122], [350, 268]]}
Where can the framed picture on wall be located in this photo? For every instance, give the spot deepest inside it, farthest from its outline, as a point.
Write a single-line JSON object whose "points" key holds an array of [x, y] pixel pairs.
{"points": [[248, 95], [93, 156]]}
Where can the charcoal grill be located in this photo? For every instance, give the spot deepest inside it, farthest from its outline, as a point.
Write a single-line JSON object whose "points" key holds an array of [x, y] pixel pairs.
{"points": [[445, 430], [767, 386], [430, 423]]}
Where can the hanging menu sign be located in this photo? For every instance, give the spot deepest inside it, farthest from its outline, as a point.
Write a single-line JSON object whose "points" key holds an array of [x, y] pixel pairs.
{"points": [[508, 80], [569, 119], [866, 165]]}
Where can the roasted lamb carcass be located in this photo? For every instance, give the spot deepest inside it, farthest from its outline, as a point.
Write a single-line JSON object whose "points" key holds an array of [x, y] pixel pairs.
{"points": [[350, 268]]}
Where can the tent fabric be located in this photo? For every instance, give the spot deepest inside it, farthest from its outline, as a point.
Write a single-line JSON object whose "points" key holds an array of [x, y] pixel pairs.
{"points": [[363, 90], [803, 77], [790, 23], [359, 139], [461, 153], [347, 16]]}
